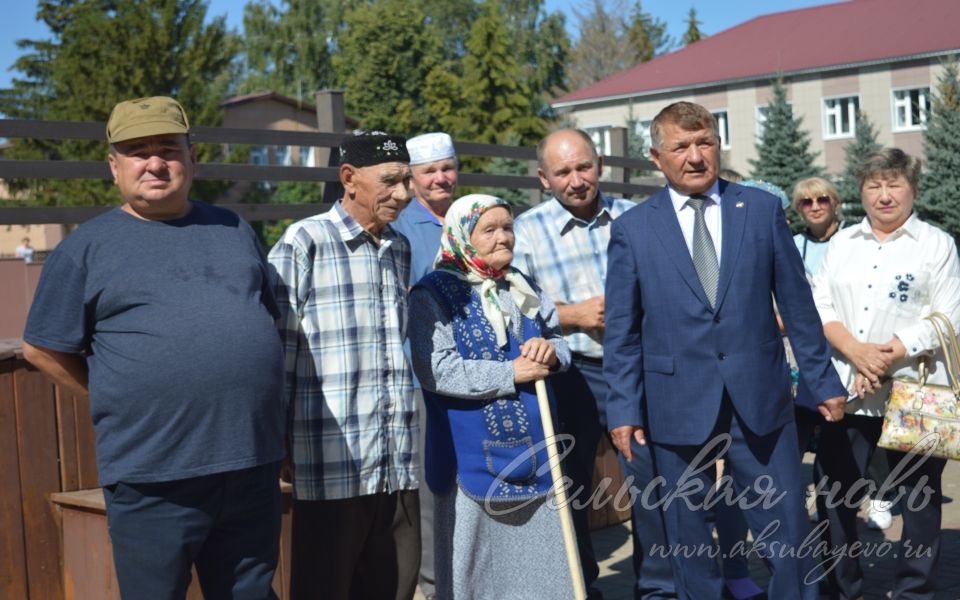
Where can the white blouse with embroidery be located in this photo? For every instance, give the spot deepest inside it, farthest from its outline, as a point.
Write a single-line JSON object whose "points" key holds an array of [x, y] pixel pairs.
{"points": [[878, 289]]}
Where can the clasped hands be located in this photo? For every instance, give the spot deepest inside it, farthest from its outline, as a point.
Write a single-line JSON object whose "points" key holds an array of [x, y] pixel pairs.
{"points": [[872, 361], [537, 356]]}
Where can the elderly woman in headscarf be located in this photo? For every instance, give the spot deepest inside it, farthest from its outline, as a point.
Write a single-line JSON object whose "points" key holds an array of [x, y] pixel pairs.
{"points": [[481, 333]]}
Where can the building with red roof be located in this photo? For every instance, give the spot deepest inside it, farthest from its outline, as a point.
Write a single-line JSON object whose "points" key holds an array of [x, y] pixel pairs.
{"points": [[882, 57]]}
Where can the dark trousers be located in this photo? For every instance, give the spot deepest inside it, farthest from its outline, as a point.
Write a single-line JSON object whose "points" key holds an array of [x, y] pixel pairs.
{"points": [[356, 548], [732, 525], [226, 524], [653, 572], [845, 451], [767, 461], [578, 392]]}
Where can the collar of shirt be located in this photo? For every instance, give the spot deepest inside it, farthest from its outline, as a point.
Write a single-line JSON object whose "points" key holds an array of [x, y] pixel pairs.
{"points": [[565, 220], [912, 227], [680, 200], [416, 212], [350, 230]]}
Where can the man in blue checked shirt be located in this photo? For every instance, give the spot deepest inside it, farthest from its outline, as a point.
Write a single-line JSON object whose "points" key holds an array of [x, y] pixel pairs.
{"points": [[562, 244], [342, 294]]}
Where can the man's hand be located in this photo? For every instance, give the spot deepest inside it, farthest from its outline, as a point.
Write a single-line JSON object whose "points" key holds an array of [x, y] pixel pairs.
{"points": [[621, 439], [582, 315], [539, 350], [832, 409], [526, 370]]}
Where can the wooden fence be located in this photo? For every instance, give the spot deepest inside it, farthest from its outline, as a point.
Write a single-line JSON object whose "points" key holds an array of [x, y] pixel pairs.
{"points": [[46, 446], [618, 183]]}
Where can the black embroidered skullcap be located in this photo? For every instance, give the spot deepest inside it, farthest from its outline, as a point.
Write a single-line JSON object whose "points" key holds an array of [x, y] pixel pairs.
{"points": [[365, 149]]}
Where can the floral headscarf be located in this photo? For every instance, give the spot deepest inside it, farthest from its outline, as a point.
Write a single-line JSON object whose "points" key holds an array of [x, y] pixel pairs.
{"points": [[458, 256]]}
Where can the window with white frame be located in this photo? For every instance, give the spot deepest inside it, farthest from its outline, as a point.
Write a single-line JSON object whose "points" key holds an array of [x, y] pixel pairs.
{"points": [[601, 138], [724, 128], [911, 108], [840, 117]]}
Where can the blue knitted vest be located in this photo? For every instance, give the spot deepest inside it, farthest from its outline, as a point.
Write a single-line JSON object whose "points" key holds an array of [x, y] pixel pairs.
{"points": [[495, 447]]}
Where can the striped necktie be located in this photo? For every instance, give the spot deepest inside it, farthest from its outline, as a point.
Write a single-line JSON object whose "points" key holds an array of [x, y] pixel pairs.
{"points": [[704, 253]]}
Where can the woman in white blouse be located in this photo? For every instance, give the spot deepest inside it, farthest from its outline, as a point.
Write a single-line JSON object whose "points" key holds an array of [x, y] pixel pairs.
{"points": [[877, 282]]}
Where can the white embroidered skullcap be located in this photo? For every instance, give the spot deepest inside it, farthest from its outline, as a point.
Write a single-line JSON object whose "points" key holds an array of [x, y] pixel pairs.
{"points": [[430, 147]]}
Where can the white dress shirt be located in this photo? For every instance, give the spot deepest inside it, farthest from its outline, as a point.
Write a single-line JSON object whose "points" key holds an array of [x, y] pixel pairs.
{"points": [[878, 289], [711, 215]]}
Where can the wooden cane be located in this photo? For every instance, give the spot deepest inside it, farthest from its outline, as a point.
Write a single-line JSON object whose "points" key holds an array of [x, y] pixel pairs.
{"points": [[560, 493]]}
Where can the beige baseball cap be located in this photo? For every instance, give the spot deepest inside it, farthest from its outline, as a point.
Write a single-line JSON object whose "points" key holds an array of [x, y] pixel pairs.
{"points": [[144, 117]]}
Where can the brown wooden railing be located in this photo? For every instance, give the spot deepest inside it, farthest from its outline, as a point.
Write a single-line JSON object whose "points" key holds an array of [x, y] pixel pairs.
{"points": [[617, 184]]}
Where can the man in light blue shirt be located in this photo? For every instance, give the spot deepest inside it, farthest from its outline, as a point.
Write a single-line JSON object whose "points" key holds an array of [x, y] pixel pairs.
{"points": [[433, 164], [562, 244]]}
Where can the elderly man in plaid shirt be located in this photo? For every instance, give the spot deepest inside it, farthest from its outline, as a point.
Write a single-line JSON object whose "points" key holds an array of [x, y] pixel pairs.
{"points": [[342, 293], [562, 243]]}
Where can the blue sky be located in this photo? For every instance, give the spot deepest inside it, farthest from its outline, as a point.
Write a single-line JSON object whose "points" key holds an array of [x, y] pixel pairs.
{"points": [[19, 21]]}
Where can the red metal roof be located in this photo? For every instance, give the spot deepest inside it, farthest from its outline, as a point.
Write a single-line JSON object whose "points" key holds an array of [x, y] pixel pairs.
{"points": [[846, 33]]}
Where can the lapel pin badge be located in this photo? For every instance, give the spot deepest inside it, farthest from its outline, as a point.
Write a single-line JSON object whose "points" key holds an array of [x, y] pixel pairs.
{"points": [[740, 204]]}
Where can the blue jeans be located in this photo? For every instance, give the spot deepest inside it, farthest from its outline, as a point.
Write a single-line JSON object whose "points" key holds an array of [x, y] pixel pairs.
{"points": [[227, 524]]}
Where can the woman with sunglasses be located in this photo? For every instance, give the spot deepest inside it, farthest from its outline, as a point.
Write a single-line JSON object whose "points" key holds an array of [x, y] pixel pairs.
{"points": [[818, 204]]}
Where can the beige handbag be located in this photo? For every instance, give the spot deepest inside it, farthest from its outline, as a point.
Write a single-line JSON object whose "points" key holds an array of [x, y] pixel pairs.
{"points": [[925, 418]]}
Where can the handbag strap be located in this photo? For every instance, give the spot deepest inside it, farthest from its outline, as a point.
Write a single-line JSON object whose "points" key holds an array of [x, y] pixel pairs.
{"points": [[950, 347]]}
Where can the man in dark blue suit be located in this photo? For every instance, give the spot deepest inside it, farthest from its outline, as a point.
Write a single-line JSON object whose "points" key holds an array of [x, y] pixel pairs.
{"points": [[694, 356]]}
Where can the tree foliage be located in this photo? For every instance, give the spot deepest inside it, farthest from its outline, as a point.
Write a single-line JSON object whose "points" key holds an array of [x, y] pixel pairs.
{"points": [[286, 47], [783, 152], [939, 186], [500, 100], [105, 51], [864, 144], [693, 33], [608, 43], [383, 61], [646, 35]]}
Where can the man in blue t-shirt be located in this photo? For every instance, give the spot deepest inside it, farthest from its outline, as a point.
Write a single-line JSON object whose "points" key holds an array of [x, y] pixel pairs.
{"points": [[433, 164], [161, 310]]}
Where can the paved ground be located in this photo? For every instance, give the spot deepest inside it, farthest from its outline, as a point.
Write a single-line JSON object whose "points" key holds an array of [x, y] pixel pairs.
{"points": [[616, 573]]}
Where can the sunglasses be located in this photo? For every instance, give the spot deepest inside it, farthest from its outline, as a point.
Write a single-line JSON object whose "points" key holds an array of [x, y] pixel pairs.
{"points": [[821, 200]]}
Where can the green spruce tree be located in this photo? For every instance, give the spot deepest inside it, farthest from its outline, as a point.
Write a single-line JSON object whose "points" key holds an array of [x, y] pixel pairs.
{"points": [[693, 33], [783, 152], [383, 61], [864, 144], [101, 53], [940, 185], [497, 103]]}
